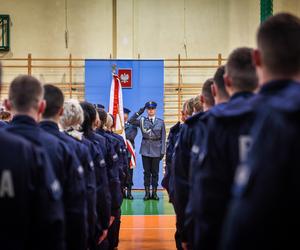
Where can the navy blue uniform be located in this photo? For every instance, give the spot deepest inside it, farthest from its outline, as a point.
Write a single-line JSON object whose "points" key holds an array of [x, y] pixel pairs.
{"points": [[225, 143], [180, 173], [168, 180], [69, 172], [113, 233], [111, 159], [3, 124], [264, 213], [82, 153], [31, 209], [131, 133]]}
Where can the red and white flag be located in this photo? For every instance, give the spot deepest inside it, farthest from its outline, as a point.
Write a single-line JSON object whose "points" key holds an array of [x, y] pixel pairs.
{"points": [[116, 109], [130, 148], [116, 106]]}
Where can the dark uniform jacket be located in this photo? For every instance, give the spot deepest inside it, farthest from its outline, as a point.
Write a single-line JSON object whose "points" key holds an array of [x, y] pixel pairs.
{"points": [[264, 213], [31, 209], [69, 172], [168, 180], [82, 153], [111, 158], [131, 132], [225, 144]]}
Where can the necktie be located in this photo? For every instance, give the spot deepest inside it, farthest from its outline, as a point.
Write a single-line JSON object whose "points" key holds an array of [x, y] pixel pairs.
{"points": [[151, 119]]}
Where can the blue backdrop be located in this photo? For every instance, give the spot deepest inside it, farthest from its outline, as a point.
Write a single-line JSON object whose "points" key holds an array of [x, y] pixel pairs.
{"points": [[147, 84]]}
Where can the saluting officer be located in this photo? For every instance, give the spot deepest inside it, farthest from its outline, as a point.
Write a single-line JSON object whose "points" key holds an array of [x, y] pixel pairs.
{"points": [[131, 132], [152, 147]]}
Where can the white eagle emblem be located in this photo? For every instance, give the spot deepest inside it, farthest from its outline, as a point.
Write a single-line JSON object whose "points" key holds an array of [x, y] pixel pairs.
{"points": [[124, 77]]}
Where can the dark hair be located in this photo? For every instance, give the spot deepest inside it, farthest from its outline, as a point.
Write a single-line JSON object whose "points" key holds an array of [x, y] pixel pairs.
{"points": [[55, 100], [278, 39], [241, 69], [25, 92], [206, 92], [102, 116], [219, 81], [90, 116]]}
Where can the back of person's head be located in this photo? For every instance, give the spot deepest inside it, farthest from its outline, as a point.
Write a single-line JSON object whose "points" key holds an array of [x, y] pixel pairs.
{"points": [[25, 93], [207, 94], [72, 116], [102, 116], [189, 107], [219, 82], [90, 116], [240, 70], [197, 104], [278, 40], [109, 122], [54, 98]]}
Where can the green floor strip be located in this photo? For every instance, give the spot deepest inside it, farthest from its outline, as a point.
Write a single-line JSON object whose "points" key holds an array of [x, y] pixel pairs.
{"points": [[140, 207]]}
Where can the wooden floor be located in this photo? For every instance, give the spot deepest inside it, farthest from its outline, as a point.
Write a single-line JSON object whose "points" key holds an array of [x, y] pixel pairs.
{"points": [[144, 232]]}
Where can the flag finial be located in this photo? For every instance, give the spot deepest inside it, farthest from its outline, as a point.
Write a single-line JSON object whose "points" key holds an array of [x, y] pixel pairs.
{"points": [[114, 68]]}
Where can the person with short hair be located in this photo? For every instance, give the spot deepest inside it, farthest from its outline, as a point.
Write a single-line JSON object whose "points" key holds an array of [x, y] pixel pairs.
{"points": [[226, 136], [27, 106], [264, 211], [181, 163], [152, 147], [30, 196]]}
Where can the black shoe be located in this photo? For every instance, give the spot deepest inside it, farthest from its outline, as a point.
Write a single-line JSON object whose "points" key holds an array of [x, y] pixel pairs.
{"points": [[129, 195], [124, 193], [154, 194], [147, 194]]}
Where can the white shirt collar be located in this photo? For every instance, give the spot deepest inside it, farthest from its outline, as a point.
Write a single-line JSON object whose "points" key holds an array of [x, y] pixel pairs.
{"points": [[153, 118]]}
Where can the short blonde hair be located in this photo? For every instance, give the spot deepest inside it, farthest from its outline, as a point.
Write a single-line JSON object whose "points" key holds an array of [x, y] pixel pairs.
{"points": [[109, 121], [73, 115]]}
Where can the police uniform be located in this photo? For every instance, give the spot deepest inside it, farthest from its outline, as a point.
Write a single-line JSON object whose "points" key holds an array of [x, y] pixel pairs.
{"points": [[192, 129], [223, 146], [32, 215], [264, 212], [131, 133], [168, 182], [68, 171], [3, 124], [152, 147], [113, 232], [85, 158], [111, 157]]}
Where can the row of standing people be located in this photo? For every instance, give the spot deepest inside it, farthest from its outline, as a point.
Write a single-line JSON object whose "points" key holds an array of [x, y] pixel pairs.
{"points": [[61, 173], [234, 169]]}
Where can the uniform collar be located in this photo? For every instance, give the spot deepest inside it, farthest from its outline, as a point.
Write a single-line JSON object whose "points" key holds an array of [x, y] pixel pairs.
{"points": [[243, 94], [49, 125], [153, 118], [24, 119], [275, 86]]}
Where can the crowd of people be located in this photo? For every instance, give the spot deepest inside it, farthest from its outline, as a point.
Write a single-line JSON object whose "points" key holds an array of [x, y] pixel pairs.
{"points": [[232, 170], [232, 165]]}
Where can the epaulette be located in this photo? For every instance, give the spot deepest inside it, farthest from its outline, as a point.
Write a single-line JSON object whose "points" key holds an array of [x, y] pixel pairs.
{"points": [[159, 119], [194, 118]]}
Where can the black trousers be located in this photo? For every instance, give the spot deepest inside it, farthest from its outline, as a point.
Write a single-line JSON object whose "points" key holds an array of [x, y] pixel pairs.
{"points": [[151, 169], [129, 176]]}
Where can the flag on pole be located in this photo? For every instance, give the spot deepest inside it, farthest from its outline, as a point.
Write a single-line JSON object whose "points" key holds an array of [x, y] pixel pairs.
{"points": [[116, 106]]}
